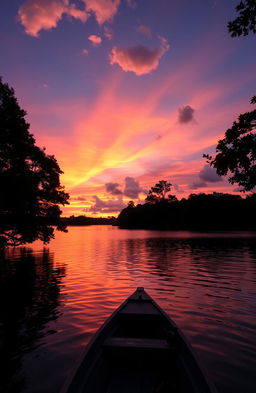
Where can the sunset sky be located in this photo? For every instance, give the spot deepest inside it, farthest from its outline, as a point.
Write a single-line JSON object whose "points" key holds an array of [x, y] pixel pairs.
{"points": [[127, 92]]}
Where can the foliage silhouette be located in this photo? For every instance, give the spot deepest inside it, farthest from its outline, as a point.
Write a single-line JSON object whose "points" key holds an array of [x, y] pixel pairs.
{"points": [[246, 21], [30, 294], [84, 221], [30, 191], [236, 152], [158, 192], [215, 211]]}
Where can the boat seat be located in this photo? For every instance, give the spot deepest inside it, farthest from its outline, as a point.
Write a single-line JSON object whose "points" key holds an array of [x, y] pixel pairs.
{"points": [[136, 343], [141, 308]]}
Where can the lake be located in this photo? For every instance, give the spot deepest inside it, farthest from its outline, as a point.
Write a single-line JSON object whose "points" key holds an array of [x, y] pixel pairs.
{"points": [[54, 297]]}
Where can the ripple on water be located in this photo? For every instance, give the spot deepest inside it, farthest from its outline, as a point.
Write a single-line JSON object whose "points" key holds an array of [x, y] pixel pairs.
{"points": [[58, 296]]}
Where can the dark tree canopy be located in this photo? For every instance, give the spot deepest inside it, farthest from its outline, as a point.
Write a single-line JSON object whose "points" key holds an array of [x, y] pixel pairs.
{"points": [[246, 21], [236, 152], [158, 192], [216, 211], [30, 189]]}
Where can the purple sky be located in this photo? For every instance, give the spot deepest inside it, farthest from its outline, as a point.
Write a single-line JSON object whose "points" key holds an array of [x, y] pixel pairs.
{"points": [[126, 93]]}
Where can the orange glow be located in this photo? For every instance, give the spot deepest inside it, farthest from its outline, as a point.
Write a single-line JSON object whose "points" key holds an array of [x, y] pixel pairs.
{"points": [[115, 136]]}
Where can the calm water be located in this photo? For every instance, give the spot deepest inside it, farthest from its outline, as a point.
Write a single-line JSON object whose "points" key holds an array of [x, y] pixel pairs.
{"points": [[54, 298]]}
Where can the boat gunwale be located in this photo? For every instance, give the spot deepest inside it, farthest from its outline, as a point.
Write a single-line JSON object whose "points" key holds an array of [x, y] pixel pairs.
{"points": [[89, 345], [201, 371]]}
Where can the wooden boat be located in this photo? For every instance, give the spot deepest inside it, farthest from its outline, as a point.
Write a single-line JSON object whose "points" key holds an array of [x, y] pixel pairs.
{"points": [[139, 349]]}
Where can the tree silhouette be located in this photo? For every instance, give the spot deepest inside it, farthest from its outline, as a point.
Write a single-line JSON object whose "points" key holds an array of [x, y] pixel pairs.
{"points": [[30, 189], [216, 211], [246, 21], [131, 204], [158, 192], [236, 152]]}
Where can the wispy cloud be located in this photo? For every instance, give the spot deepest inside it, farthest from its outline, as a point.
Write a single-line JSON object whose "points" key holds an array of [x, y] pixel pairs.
{"points": [[108, 32], [127, 145], [145, 30], [131, 3]]}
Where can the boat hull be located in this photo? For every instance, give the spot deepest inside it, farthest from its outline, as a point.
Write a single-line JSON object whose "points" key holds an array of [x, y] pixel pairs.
{"points": [[139, 349]]}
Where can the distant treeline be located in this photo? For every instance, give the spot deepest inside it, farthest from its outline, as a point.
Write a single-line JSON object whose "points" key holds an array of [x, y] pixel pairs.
{"points": [[83, 220], [215, 211]]}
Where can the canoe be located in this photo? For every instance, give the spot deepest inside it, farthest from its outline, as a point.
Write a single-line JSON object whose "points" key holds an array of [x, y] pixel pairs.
{"points": [[139, 349]]}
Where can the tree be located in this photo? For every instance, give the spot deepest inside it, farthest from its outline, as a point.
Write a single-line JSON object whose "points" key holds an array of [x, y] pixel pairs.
{"points": [[131, 205], [246, 20], [236, 152], [30, 189], [158, 192]]}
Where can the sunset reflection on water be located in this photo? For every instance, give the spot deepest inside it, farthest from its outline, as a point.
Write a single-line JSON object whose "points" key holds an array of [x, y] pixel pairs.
{"points": [[205, 282]]}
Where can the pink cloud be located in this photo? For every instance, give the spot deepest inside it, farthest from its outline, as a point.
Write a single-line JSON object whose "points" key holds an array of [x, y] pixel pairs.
{"points": [[85, 51], [44, 86], [139, 59], [145, 30], [95, 40], [108, 32], [128, 144], [37, 15], [108, 206], [75, 12], [104, 10]]}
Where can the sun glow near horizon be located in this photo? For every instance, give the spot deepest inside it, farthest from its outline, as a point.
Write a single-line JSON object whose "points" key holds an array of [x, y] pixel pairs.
{"points": [[140, 100]]}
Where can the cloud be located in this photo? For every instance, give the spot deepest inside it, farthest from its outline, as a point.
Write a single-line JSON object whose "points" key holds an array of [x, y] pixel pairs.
{"points": [[76, 13], [197, 184], [111, 205], [44, 86], [208, 174], [108, 32], [37, 15], [95, 40], [177, 188], [145, 30], [186, 114], [112, 188], [104, 10], [131, 3], [131, 188], [79, 198], [85, 51], [139, 59]]}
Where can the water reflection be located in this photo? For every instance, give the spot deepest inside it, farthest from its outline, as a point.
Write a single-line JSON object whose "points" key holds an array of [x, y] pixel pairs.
{"points": [[206, 282], [29, 293]]}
